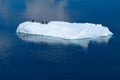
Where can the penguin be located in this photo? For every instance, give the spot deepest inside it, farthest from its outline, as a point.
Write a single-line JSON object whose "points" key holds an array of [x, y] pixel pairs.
{"points": [[46, 22], [33, 20], [42, 22]]}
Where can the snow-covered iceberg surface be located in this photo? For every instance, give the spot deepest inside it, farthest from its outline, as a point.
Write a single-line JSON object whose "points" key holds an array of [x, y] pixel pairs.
{"points": [[64, 30], [84, 43]]}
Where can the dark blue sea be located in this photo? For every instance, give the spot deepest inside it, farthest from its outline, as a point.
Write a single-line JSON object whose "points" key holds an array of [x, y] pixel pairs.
{"points": [[29, 57]]}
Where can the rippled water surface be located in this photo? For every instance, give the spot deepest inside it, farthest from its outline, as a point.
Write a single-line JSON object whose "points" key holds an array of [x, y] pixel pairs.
{"points": [[28, 57]]}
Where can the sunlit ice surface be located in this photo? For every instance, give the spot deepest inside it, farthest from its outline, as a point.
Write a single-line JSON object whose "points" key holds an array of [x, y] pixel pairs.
{"points": [[64, 30]]}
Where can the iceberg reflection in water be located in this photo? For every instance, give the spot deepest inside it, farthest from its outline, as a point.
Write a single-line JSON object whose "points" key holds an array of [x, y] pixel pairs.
{"points": [[84, 43]]}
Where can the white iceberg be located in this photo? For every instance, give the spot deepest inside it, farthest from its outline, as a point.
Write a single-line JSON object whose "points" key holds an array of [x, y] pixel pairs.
{"points": [[64, 30]]}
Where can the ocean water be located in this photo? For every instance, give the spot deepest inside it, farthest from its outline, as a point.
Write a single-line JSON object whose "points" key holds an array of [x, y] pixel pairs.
{"points": [[28, 57]]}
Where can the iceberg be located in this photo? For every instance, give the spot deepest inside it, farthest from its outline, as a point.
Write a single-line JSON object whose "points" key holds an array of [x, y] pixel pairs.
{"points": [[64, 30]]}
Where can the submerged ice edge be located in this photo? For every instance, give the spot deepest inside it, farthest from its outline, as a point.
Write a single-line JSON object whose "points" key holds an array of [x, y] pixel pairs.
{"points": [[84, 43], [64, 30]]}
